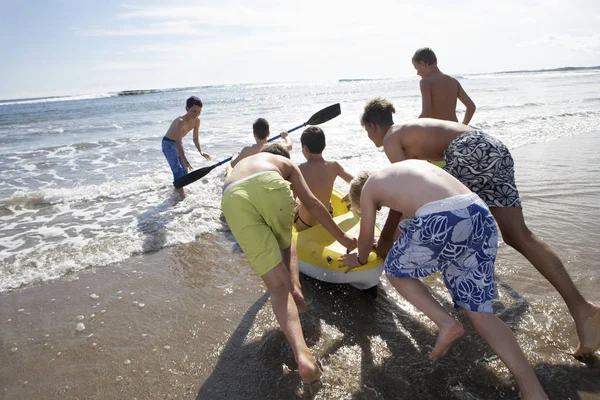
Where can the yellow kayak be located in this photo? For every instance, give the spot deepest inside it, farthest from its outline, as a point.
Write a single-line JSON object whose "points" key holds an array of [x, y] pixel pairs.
{"points": [[318, 252]]}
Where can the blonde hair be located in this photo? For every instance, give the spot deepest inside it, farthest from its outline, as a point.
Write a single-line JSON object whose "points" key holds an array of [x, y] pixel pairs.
{"points": [[356, 187], [379, 112]]}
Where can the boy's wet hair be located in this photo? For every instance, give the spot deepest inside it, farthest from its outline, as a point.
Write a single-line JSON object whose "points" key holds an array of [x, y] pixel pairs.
{"points": [[379, 112], [261, 128], [356, 187], [193, 101], [426, 55], [277, 149], [313, 138]]}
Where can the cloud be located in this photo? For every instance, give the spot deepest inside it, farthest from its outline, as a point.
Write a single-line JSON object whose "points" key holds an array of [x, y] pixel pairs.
{"points": [[129, 65], [565, 41]]}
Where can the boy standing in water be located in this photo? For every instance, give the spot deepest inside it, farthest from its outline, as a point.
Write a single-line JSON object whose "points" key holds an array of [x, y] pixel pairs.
{"points": [[259, 207], [447, 228], [485, 165], [172, 142], [438, 90], [261, 131], [318, 173]]}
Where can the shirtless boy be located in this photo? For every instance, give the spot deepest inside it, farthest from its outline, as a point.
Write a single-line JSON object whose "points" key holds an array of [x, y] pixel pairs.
{"points": [[261, 131], [483, 164], [259, 207], [446, 228], [171, 143], [438, 90], [318, 173]]}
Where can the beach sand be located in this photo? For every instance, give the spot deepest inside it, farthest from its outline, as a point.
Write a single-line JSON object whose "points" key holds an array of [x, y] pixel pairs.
{"points": [[193, 321]]}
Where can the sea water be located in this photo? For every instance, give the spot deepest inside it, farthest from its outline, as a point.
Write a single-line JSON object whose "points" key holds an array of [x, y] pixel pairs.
{"points": [[85, 184]]}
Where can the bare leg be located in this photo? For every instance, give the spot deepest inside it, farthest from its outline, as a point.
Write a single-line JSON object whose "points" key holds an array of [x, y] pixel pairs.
{"points": [[418, 295], [290, 259], [279, 285], [181, 193], [503, 342], [586, 315]]}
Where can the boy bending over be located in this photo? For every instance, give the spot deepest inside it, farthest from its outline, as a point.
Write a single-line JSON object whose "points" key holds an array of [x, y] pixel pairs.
{"points": [[483, 164], [259, 207], [446, 228], [318, 173]]}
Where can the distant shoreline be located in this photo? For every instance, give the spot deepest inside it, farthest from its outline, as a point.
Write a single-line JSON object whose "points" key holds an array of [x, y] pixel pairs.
{"points": [[562, 69], [518, 71], [137, 92]]}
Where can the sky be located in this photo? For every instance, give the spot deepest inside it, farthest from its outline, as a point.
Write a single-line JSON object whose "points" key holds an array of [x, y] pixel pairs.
{"points": [[71, 47]]}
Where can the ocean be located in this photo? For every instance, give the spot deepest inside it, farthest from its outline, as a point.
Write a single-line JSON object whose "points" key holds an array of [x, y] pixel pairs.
{"points": [[85, 183], [91, 231]]}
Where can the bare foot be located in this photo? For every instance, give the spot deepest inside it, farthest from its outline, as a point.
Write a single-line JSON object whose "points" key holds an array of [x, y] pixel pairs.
{"points": [[445, 338], [299, 300], [589, 334], [308, 369]]}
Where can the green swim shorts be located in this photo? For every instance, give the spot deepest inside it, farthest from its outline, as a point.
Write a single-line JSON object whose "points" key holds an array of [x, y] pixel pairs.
{"points": [[259, 210]]}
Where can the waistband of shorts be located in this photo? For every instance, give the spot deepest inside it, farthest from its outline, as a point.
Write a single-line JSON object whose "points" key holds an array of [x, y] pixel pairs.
{"points": [[232, 184], [449, 204], [168, 140], [467, 133]]}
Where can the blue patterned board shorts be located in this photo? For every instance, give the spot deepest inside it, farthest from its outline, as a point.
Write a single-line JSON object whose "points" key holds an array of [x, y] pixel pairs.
{"points": [[484, 165], [169, 149], [457, 236]]}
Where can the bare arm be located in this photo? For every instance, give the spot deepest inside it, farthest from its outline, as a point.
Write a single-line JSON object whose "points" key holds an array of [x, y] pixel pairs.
{"points": [[466, 100], [426, 109], [394, 154], [239, 157], [197, 139], [288, 142], [394, 151], [316, 209], [342, 173], [368, 211]]}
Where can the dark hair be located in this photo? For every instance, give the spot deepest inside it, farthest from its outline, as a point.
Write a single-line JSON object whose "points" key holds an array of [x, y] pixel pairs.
{"points": [[193, 101], [426, 55], [314, 139], [277, 149], [261, 128], [379, 112]]}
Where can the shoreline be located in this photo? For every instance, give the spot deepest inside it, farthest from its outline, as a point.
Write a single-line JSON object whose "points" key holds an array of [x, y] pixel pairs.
{"points": [[164, 325]]}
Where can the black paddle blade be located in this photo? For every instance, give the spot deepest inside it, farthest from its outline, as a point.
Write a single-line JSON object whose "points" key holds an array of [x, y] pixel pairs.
{"points": [[325, 114], [193, 176]]}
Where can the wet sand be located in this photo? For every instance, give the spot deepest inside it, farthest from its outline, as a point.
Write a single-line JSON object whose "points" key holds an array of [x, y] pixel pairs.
{"points": [[193, 321]]}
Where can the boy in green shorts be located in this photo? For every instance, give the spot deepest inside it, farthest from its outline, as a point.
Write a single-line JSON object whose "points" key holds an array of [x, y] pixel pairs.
{"points": [[258, 205]]}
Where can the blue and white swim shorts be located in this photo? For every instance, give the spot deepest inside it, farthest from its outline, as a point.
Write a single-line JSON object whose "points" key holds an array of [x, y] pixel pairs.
{"points": [[457, 236]]}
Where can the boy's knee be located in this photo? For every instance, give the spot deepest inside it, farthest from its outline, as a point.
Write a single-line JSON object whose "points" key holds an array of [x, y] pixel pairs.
{"points": [[517, 236]]}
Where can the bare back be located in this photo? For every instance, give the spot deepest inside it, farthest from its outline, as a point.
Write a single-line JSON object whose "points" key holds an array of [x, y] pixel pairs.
{"points": [[261, 162], [443, 91], [410, 184], [319, 176], [421, 139]]}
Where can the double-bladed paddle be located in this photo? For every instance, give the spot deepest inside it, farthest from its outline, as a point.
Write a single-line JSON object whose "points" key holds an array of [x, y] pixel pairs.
{"points": [[318, 118]]}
